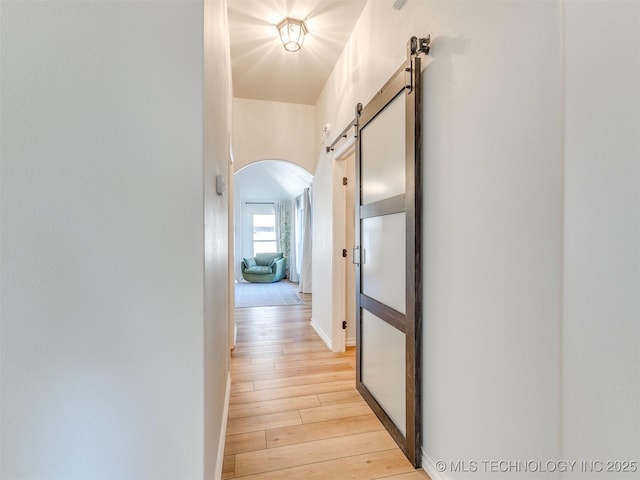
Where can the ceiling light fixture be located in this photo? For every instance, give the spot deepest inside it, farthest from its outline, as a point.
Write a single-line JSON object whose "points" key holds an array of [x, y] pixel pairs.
{"points": [[292, 34], [398, 4]]}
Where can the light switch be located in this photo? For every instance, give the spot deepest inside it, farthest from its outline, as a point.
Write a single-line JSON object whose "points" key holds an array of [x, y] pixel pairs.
{"points": [[220, 185]]}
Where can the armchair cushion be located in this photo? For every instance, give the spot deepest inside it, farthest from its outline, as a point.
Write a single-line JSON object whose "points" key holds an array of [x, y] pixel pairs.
{"points": [[266, 258], [249, 262], [259, 269]]}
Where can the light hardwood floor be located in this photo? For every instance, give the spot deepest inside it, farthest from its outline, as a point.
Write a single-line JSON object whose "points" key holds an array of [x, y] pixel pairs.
{"points": [[294, 412]]}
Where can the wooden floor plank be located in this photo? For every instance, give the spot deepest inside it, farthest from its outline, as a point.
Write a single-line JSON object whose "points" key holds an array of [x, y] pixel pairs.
{"points": [[239, 387], [273, 406], [304, 380], [311, 452], [270, 374], [256, 368], [415, 475], [295, 391], [248, 351], [228, 466], [239, 362], [331, 412], [278, 437], [335, 398], [357, 467], [329, 360], [266, 341], [262, 422], [315, 347], [245, 442], [302, 357]]}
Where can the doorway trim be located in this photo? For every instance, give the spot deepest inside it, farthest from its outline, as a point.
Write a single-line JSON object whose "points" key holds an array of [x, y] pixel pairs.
{"points": [[343, 149]]}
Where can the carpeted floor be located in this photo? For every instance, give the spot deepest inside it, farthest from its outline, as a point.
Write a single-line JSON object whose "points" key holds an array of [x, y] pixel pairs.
{"points": [[266, 294]]}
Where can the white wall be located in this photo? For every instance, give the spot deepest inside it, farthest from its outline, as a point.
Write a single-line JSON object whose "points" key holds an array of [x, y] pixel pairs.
{"points": [[231, 260], [103, 244], [272, 131], [237, 234], [601, 331], [322, 258], [505, 360], [492, 226], [328, 239], [218, 209]]}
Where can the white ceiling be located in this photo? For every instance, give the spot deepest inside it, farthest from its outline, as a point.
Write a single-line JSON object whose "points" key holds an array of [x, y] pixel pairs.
{"points": [[262, 69], [271, 180]]}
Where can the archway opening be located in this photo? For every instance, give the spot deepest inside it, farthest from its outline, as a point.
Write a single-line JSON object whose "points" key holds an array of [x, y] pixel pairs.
{"points": [[271, 215]]}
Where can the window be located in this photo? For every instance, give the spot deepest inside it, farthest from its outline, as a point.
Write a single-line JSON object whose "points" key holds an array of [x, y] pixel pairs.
{"points": [[264, 233]]}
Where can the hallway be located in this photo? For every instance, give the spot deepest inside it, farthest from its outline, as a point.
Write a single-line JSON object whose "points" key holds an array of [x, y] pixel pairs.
{"points": [[294, 411]]}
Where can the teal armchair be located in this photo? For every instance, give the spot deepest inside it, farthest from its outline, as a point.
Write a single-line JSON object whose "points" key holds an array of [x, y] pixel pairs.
{"points": [[264, 268]]}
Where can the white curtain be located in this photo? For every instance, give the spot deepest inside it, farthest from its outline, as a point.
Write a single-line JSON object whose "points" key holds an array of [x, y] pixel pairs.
{"points": [[305, 270], [281, 219], [293, 250], [283, 232]]}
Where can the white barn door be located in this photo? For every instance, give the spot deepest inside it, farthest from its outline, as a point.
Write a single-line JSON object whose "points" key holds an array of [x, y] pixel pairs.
{"points": [[388, 243]]}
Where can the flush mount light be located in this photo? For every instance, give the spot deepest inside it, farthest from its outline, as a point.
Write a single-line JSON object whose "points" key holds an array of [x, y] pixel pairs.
{"points": [[398, 4], [292, 34]]}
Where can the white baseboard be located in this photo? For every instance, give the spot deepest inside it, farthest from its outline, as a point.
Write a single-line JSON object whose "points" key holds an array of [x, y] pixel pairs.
{"points": [[429, 466], [223, 430], [325, 338], [350, 342], [235, 335]]}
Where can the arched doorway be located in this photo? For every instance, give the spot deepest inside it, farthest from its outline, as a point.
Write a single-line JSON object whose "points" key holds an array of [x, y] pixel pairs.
{"points": [[260, 189]]}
